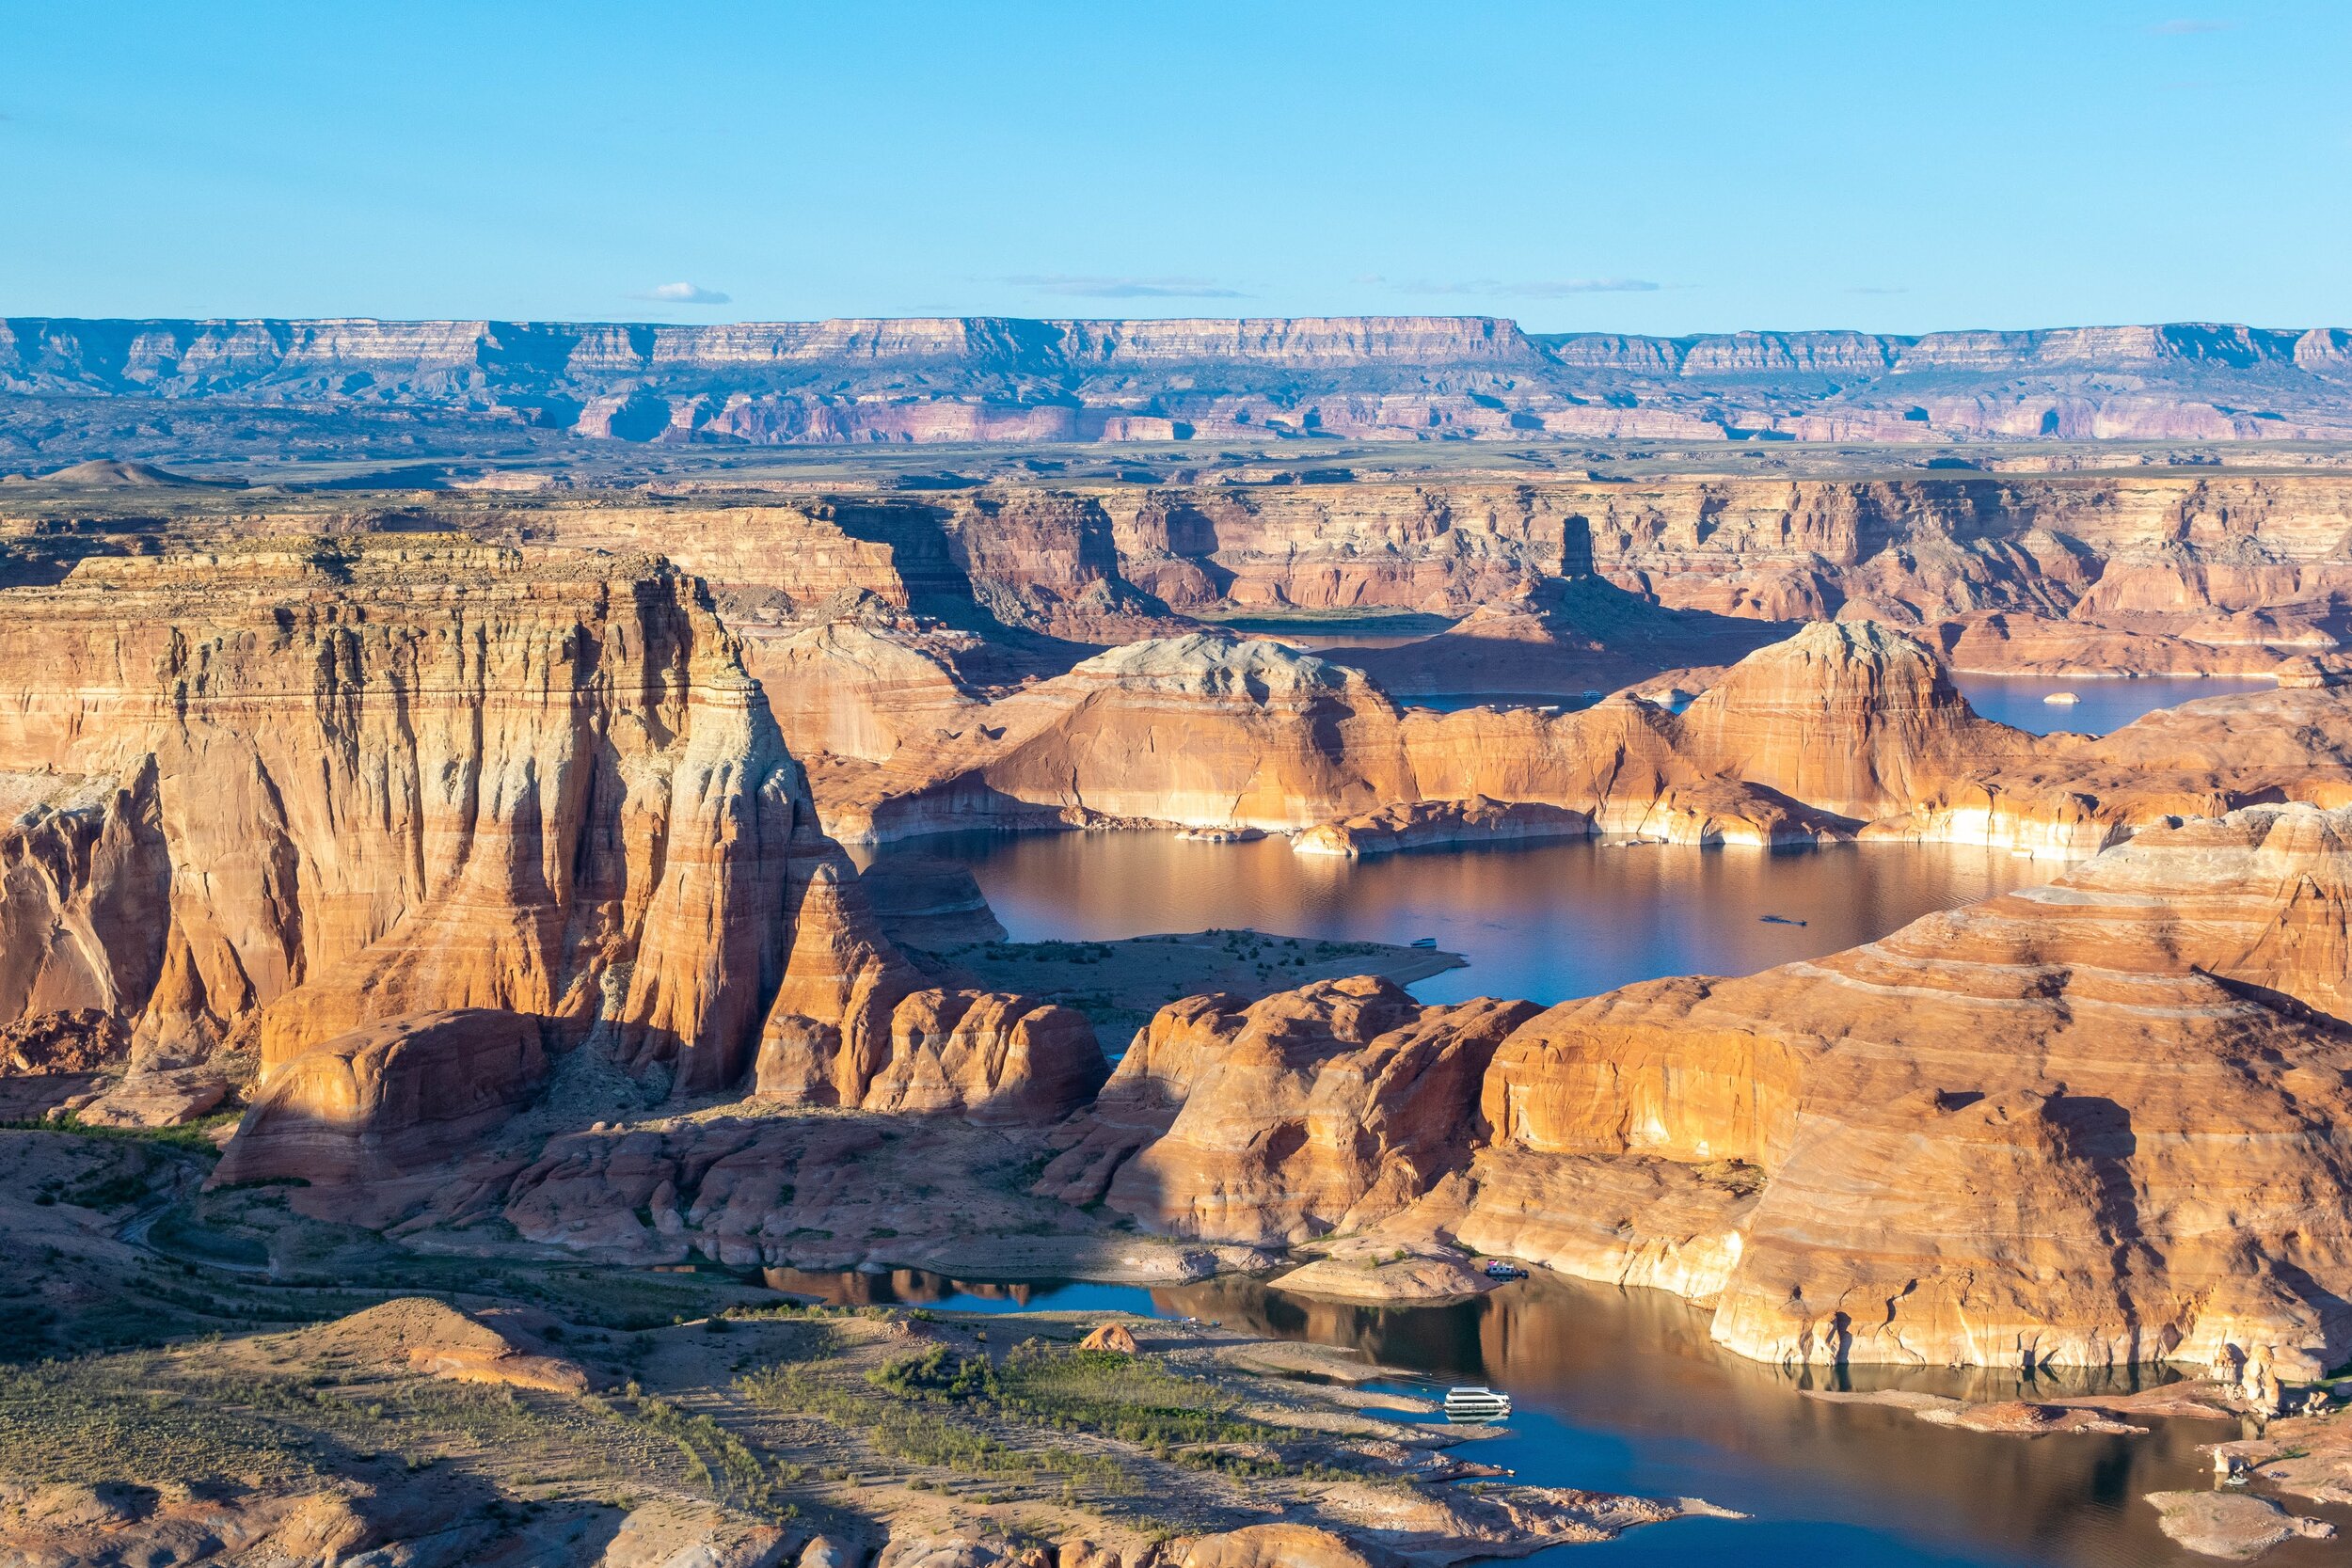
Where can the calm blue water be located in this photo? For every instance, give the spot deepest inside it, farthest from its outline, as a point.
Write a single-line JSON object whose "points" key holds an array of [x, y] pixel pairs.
{"points": [[1546, 921], [1620, 1391], [2105, 704], [2013, 700]]}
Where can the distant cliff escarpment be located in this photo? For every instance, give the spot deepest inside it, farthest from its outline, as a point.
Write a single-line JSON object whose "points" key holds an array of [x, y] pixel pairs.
{"points": [[1362, 377]]}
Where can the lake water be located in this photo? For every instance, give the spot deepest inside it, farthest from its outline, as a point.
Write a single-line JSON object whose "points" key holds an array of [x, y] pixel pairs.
{"points": [[2105, 704], [1545, 921], [1621, 1391]]}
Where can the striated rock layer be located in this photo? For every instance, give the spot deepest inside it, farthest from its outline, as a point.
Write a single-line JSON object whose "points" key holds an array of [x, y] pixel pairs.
{"points": [[2094, 1122], [1847, 729], [1319, 1109], [293, 799], [1807, 739], [324, 785], [1381, 377], [2104, 1121]]}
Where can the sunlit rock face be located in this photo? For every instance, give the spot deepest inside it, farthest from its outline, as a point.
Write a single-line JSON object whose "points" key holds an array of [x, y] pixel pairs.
{"points": [[2097, 1121], [276, 793], [1314, 1110], [389, 1100]]}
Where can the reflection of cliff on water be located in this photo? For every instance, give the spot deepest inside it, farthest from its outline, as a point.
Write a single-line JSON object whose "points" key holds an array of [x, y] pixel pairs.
{"points": [[897, 1287], [1622, 1390], [1544, 921]]}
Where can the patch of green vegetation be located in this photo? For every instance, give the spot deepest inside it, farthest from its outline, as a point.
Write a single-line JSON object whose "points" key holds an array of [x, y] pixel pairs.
{"points": [[106, 1418], [900, 1409], [1134, 1398], [193, 1416], [717, 1458], [191, 1137], [931, 1407]]}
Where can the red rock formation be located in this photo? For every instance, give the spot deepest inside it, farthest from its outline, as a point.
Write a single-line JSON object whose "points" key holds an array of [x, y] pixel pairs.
{"points": [[988, 1058], [1427, 823], [1848, 716], [417, 1334], [1205, 730], [2070, 796], [83, 1040], [1321, 1108], [389, 1101], [299, 787], [2094, 1122], [854, 688]]}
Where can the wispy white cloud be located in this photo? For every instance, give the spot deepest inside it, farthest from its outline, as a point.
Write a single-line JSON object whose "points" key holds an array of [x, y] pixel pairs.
{"points": [[2183, 26], [1541, 288], [683, 293], [1080, 287]]}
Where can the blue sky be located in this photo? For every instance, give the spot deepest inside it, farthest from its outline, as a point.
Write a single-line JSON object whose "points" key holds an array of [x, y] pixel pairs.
{"points": [[1657, 167]]}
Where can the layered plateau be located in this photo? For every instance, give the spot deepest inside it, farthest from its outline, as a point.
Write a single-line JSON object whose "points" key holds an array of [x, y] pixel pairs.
{"points": [[1397, 378]]}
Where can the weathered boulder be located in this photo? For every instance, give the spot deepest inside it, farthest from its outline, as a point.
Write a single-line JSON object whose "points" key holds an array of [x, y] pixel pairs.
{"points": [[1329, 1106], [1110, 1337], [389, 1101]]}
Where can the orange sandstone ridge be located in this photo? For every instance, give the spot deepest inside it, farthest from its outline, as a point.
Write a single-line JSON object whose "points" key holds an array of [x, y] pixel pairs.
{"points": [[268, 796], [1847, 729], [2092, 1123]]}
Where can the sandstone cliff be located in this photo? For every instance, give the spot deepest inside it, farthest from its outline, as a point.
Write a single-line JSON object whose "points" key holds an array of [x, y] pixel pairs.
{"points": [[2179, 570], [1203, 730], [1850, 728], [1321, 1109], [291, 798], [2094, 1122], [1801, 741], [317, 785]]}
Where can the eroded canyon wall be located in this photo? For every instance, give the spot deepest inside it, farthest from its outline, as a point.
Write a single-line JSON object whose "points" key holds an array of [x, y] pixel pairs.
{"points": [[2218, 571], [2092, 1123], [265, 795]]}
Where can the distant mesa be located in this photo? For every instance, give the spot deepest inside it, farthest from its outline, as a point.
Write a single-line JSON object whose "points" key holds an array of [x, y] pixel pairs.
{"points": [[106, 473]]}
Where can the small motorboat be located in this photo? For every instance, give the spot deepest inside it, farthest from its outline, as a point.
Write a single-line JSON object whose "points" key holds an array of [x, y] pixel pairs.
{"points": [[2064, 699], [1424, 942], [1476, 1405], [1498, 1269], [1778, 920]]}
